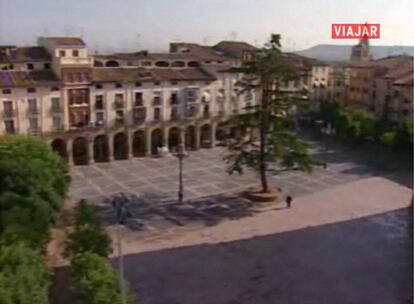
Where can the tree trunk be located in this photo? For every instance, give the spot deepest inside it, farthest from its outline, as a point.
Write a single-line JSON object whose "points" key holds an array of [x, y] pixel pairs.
{"points": [[263, 130]]}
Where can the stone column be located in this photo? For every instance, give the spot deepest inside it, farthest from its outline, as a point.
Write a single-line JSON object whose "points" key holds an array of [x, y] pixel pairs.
{"points": [[129, 134], [90, 151], [197, 130], [165, 136], [110, 146], [213, 135], [69, 152], [148, 142]]}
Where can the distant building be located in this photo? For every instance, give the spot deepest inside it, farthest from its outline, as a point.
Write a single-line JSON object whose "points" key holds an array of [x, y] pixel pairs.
{"points": [[361, 52]]}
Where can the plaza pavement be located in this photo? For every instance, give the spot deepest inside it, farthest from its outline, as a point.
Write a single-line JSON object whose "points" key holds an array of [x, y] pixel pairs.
{"points": [[349, 244]]}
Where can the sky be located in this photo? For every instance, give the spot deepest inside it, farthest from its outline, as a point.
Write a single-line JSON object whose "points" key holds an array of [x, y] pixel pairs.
{"points": [[126, 25]]}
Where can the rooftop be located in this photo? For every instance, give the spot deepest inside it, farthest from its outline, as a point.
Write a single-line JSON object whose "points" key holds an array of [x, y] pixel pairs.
{"points": [[66, 41], [26, 79]]}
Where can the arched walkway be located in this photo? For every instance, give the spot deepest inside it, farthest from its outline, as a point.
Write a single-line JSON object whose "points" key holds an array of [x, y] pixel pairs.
{"points": [[59, 146], [80, 151], [120, 146], [101, 148], [221, 132], [138, 143], [112, 63], [173, 139], [190, 138], [97, 63], [156, 141], [205, 136]]}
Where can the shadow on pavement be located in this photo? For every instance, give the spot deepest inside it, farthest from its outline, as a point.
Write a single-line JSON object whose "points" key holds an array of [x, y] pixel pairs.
{"points": [[366, 260]]}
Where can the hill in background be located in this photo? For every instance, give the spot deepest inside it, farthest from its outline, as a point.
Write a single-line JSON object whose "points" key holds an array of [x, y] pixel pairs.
{"points": [[332, 52]]}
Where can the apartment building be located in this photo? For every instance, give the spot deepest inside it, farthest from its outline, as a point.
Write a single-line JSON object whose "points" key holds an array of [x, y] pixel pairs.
{"points": [[382, 86], [95, 108]]}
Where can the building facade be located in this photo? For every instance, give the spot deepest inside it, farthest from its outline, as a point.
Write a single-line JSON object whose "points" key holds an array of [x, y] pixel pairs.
{"points": [[95, 108]]}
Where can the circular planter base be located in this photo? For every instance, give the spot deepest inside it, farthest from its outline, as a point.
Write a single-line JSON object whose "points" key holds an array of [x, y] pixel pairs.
{"points": [[256, 195]]}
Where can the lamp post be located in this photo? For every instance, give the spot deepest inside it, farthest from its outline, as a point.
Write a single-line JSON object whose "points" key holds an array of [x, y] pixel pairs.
{"points": [[119, 204], [181, 150]]}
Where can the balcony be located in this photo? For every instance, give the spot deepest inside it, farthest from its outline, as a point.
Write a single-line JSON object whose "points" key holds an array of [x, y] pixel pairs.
{"points": [[9, 113], [119, 104], [32, 111], [33, 131], [56, 110], [75, 61], [140, 115], [157, 101]]}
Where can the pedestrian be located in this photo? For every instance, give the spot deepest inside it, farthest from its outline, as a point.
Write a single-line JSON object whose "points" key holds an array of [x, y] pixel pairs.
{"points": [[288, 201]]}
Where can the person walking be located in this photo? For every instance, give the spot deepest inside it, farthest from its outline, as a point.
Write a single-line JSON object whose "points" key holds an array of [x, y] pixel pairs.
{"points": [[288, 201]]}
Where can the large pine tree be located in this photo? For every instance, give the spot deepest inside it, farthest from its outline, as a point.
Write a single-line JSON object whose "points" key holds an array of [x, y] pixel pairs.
{"points": [[278, 145]]}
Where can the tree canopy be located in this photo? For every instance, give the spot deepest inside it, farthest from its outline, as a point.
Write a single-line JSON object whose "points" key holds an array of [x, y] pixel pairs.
{"points": [[278, 144]]}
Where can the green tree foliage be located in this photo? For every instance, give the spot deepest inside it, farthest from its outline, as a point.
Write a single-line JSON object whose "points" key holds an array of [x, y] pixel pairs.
{"points": [[24, 278], [278, 143], [88, 234], [94, 281], [33, 184]]}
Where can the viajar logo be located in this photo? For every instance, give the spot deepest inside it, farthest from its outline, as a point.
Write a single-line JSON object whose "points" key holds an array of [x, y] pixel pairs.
{"points": [[355, 30]]}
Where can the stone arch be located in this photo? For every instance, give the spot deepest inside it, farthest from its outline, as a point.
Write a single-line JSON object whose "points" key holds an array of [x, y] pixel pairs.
{"points": [[193, 64], [112, 63], [205, 136], [59, 146], [162, 64], [120, 146], [173, 139], [138, 143], [98, 64], [101, 148], [178, 64], [80, 151], [221, 132], [156, 141], [190, 138]]}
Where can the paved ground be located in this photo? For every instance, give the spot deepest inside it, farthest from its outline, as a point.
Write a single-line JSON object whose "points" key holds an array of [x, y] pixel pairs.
{"points": [[347, 244], [151, 184]]}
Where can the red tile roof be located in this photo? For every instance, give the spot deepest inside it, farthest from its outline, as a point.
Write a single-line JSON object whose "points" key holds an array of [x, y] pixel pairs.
{"points": [[67, 41], [141, 74], [23, 54], [25, 79]]}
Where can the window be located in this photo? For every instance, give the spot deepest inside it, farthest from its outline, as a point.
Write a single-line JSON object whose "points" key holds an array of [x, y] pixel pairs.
{"points": [[46, 66], [8, 108], [191, 95], [157, 114], [55, 89], [55, 104], [75, 53], [30, 66], [62, 53], [98, 86], [405, 112], [139, 115], [206, 111], [138, 99], [119, 100], [99, 102], [174, 98], [174, 113], [57, 122], [157, 83], [157, 99], [9, 126], [138, 84], [174, 82], [31, 90], [100, 118], [6, 91], [118, 85], [32, 105], [33, 124]]}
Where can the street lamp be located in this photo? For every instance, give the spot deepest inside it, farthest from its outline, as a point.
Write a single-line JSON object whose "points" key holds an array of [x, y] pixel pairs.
{"points": [[119, 203]]}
